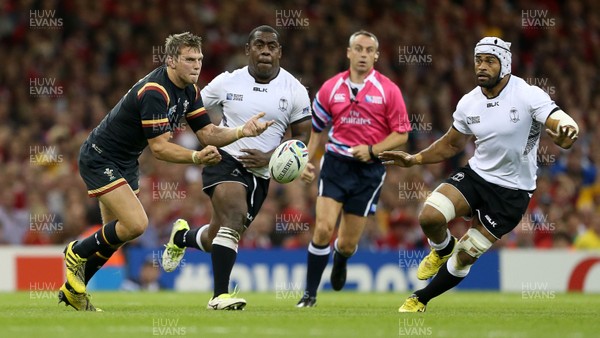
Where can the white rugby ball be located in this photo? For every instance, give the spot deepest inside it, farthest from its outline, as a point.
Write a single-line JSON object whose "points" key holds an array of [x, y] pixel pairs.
{"points": [[288, 161]]}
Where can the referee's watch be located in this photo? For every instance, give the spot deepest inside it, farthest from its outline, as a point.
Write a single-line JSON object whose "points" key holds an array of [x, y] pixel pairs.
{"points": [[373, 157]]}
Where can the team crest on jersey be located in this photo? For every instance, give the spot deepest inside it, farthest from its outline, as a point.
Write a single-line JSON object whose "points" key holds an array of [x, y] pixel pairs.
{"points": [[473, 119], [186, 103], [234, 97], [283, 104], [339, 97], [374, 99], [514, 115]]}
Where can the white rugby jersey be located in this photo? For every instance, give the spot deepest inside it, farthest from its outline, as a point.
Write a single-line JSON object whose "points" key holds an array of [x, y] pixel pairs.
{"points": [[507, 132], [237, 96]]}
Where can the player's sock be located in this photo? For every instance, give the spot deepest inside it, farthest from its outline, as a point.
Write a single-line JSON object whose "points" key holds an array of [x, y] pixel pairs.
{"points": [[96, 261], [446, 247], [318, 257], [190, 238], [441, 283], [223, 259], [103, 239], [223, 255]]}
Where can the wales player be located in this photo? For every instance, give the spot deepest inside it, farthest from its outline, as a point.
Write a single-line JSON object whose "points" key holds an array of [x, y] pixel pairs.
{"points": [[108, 159]]}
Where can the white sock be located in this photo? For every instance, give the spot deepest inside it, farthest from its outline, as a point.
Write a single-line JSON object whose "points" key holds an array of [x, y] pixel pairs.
{"points": [[452, 265], [442, 245], [199, 236]]}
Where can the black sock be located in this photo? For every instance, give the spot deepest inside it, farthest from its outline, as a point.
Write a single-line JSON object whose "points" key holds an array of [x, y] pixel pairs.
{"points": [[96, 261], [339, 258], [315, 266], [441, 283], [102, 239], [186, 238], [223, 259], [448, 249]]}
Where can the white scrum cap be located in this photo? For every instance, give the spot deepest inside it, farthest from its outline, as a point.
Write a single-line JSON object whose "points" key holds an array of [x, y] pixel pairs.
{"points": [[499, 48]]}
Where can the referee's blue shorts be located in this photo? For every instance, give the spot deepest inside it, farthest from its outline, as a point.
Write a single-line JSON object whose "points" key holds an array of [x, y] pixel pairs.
{"points": [[353, 183]]}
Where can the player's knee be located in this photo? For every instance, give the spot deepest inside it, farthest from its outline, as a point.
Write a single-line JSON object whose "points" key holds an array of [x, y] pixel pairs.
{"points": [[344, 247], [438, 211], [472, 245], [234, 219], [323, 232], [227, 237], [430, 218], [135, 226], [464, 260], [237, 223]]}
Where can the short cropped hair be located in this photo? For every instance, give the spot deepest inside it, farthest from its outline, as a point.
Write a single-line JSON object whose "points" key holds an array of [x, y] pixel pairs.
{"points": [[263, 29], [175, 42], [365, 33]]}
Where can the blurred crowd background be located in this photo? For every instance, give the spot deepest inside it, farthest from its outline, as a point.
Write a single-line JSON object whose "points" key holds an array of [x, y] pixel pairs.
{"points": [[67, 63]]}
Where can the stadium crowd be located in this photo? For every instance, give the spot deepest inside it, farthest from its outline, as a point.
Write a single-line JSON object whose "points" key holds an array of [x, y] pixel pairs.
{"points": [[66, 63]]}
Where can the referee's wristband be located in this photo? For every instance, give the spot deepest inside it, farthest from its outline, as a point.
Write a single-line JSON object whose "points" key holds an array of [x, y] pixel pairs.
{"points": [[373, 157]]}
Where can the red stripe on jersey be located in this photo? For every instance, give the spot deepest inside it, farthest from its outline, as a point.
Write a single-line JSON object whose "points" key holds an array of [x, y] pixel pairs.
{"points": [[196, 113], [156, 87]]}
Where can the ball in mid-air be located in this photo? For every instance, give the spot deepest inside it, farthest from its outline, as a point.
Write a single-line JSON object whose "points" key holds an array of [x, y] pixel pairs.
{"points": [[288, 161]]}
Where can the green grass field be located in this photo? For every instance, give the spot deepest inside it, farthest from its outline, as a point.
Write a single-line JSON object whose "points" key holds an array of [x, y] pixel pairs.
{"points": [[345, 314]]}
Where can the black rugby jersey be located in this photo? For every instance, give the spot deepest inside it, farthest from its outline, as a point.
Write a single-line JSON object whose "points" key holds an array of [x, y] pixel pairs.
{"points": [[152, 107]]}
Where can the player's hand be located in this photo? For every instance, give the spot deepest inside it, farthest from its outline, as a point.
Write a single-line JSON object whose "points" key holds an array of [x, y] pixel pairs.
{"points": [[254, 127], [398, 158], [361, 152], [209, 155], [565, 137], [254, 158], [308, 174]]}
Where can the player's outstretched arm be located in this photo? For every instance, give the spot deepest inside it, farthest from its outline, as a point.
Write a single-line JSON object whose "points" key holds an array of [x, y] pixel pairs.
{"points": [[222, 136], [562, 129], [164, 150], [452, 143]]}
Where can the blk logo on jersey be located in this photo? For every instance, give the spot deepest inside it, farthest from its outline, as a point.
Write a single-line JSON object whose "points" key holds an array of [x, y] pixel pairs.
{"points": [[473, 119], [260, 90], [493, 104], [492, 222]]}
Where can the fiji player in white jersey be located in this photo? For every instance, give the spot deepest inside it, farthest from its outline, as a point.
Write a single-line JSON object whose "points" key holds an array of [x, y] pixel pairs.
{"points": [[505, 115], [238, 185]]}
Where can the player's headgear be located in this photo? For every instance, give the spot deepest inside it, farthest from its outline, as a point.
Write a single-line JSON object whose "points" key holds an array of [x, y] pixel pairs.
{"points": [[500, 49]]}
